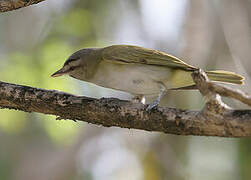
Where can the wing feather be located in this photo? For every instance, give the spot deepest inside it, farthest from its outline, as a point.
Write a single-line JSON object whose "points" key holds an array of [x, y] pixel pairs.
{"points": [[126, 54]]}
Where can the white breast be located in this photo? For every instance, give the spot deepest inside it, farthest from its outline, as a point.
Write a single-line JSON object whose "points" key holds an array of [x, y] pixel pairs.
{"points": [[132, 78]]}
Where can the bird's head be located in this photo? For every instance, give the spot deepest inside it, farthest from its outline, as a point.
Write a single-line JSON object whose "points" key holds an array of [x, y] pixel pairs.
{"points": [[77, 64]]}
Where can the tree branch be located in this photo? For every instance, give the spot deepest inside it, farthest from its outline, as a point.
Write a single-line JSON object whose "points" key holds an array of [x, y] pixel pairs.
{"points": [[216, 118], [9, 5]]}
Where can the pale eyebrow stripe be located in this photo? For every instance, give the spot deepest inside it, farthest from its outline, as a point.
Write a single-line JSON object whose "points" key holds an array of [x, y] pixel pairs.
{"points": [[70, 60]]}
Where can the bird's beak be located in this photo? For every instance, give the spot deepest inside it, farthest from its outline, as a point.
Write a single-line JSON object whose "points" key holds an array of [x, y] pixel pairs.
{"points": [[60, 72]]}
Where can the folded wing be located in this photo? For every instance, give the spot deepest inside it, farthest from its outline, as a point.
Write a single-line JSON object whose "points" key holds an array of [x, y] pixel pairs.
{"points": [[126, 54]]}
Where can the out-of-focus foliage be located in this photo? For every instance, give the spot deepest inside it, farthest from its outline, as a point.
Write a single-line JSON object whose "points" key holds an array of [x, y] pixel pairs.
{"points": [[33, 67], [17, 117], [35, 42], [77, 24]]}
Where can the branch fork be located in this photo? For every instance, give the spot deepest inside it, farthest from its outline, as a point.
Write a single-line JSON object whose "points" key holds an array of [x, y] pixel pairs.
{"points": [[214, 106]]}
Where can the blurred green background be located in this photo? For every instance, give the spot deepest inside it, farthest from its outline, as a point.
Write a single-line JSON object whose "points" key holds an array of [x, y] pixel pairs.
{"points": [[35, 41]]}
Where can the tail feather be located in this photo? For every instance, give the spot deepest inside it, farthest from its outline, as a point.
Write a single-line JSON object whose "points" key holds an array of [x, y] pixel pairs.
{"points": [[225, 76]]}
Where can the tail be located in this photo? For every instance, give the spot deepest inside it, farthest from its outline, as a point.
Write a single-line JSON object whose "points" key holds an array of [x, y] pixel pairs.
{"points": [[225, 76], [182, 80]]}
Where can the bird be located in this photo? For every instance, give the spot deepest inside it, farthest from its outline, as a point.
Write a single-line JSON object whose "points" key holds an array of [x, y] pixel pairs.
{"points": [[136, 70]]}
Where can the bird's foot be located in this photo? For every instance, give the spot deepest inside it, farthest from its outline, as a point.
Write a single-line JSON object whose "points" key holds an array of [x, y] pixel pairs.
{"points": [[157, 101], [152, 105]]}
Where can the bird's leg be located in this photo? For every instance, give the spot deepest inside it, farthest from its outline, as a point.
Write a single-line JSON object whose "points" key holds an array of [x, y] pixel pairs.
{"points": [[139, 99], [156, 102]]}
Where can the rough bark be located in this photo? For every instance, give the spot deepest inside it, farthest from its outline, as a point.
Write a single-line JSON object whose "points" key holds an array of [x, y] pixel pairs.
{"points": [[9, 5], [216, 119]]}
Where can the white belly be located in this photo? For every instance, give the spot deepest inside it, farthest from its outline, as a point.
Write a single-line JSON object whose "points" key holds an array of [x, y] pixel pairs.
{"points": [[135, 79]]}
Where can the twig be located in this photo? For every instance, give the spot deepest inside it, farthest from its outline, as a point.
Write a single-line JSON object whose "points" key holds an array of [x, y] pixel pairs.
{"points": [[231, 93]]}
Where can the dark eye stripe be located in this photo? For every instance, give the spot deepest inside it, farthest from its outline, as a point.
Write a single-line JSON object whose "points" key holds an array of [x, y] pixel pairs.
{"points": [[72, 68]]}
